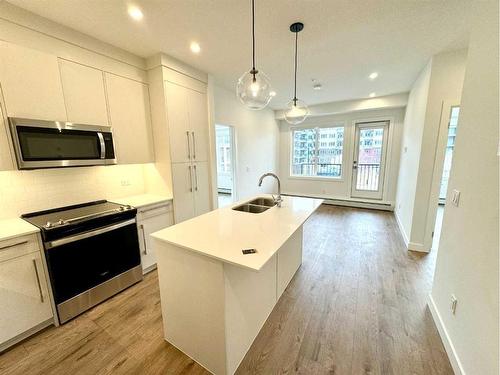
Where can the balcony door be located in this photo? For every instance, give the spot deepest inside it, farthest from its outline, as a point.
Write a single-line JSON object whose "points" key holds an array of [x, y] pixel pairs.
{"points": [[370, 147]]}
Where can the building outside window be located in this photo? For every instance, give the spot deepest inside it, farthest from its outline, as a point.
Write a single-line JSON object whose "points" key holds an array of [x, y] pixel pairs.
{"points": [[314, 156]]}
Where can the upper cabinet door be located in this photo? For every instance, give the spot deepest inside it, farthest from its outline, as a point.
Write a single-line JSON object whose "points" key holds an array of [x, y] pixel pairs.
{"points": [[198, 121], [84, 96], [31, 83], [181, 148], [130, 117]]}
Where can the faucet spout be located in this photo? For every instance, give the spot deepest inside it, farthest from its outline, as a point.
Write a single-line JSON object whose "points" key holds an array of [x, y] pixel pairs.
{"points": [[277, 199]]}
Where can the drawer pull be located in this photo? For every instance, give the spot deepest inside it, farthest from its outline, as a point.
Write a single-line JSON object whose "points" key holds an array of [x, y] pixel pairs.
{"points": [[38, 280], [144, 240], [13, 245]]}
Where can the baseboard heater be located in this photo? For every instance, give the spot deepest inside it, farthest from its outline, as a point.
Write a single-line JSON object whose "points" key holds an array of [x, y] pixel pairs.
{"points": [[349, 202]]}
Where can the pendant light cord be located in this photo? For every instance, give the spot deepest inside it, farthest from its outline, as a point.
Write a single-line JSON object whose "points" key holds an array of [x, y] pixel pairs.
{"points": [[253, 38], [295, 85]]}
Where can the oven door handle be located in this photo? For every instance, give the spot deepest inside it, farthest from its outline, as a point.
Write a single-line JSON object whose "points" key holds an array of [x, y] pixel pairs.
{"points": [[78, 237]]}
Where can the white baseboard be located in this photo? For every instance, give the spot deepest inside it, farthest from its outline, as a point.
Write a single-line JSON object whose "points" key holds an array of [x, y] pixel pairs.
{"points": [[445, 338], [413, 246], [349, 202], [401, 229]]}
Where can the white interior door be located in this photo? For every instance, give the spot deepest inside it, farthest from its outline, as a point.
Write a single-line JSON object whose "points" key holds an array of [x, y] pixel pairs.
{"points": [[370, 147]]}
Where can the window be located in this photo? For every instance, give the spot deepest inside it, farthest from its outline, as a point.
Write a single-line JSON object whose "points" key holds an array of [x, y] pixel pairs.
{"points": [[313, 156]]}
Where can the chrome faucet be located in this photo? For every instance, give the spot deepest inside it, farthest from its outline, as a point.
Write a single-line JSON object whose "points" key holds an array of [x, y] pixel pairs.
{"points": [[278, 198]]}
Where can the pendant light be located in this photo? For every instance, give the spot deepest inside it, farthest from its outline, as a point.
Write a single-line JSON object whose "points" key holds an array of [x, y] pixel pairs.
{"points": [[296, 111], [253, 88]]}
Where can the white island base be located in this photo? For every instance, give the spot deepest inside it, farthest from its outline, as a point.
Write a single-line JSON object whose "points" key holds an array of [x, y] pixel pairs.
{"points": [[213, 310], [215, 299]]}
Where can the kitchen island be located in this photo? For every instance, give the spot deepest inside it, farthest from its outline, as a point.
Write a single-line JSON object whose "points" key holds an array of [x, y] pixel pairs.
{"points": [[214, 298]]}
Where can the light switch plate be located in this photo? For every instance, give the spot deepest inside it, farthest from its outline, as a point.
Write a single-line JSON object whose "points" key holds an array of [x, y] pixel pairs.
{"points": [[455, 197]]}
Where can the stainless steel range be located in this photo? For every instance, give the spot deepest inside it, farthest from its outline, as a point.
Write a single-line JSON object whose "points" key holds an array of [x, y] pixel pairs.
{"points": [[92, 253]]}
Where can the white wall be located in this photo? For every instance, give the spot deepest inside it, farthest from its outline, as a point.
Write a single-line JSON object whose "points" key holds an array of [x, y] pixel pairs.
{"points": [[341, 189], [468, 260], [256, 142], [440, 81], [410, 154]]}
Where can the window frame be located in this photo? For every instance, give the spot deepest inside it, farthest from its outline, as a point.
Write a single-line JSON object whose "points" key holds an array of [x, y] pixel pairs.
{"points": [[291, 145]]}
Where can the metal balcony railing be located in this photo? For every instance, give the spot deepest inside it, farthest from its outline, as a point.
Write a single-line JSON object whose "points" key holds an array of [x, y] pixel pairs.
{"points": [[367, 177], [320, 169]]}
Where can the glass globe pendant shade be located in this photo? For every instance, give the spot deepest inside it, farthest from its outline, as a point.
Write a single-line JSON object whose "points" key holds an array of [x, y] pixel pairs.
{"points": [[296, 111], [254, 90]]}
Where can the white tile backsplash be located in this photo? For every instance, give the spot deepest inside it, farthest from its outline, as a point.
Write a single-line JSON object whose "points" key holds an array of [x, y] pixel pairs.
{"points": [[27, 191]]}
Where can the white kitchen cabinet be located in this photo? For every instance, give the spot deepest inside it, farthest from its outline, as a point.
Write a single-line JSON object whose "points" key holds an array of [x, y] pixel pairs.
{"points": [[187, 114], [191, 190], [182, 179], [6, 159], [178, 122], [150, 220], [198, 121], [25, 302], [31, 83], [201, 192], [130, 117], [84, 95]]}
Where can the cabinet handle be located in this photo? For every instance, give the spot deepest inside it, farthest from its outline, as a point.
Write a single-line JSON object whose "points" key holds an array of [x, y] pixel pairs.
{"points": [[189, 145], [15, 244], [144, 240], [190, 180], [38, 281], [195, 179], [194, 146]]}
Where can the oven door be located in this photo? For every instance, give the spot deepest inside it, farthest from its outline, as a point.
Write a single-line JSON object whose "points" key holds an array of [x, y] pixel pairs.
{"points": [[46, 144], [84, 261]]}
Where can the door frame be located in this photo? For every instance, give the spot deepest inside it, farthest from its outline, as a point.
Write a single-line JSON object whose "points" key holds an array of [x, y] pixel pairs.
{"points": [[232, 137], [363, 124], [437, 171]]}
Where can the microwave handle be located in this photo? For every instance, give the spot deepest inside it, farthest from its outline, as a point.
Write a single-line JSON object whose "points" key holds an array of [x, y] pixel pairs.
{"points": [[103, 145]]}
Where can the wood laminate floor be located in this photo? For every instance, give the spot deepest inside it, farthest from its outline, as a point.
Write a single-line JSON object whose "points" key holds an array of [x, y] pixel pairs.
{"points": [[357, 305]]}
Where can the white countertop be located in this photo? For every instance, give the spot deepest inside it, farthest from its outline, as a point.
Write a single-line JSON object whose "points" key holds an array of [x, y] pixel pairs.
{"points": [[142, 200], [224, 232], [12, 228]]}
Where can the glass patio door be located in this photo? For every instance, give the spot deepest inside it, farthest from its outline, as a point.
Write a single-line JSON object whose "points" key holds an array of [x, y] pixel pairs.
{"points": [[369, 160]]}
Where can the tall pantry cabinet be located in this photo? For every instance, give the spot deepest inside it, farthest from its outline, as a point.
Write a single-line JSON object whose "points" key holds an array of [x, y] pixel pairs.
{"points": [[185, 128]]}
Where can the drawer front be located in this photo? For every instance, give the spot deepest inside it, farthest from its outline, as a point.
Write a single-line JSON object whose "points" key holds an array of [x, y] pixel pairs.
{"points": [[18, 246], [152, 211]]}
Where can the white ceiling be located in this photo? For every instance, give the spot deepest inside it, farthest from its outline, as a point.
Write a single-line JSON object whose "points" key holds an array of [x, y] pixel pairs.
{"points": [[341, 44]]}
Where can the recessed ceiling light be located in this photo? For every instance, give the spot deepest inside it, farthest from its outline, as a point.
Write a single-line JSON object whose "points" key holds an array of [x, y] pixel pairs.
{"points": [[135, 12], [372, 95], [272, 93], [373, 75], [195, 47]]}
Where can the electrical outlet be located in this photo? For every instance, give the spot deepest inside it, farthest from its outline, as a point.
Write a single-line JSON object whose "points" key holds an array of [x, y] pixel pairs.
{"points": [[455, 197], [453, 305], [125, 182]]}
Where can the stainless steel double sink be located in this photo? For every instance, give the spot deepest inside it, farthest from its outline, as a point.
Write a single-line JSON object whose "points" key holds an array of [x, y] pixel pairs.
{"points": [[256, 206]]}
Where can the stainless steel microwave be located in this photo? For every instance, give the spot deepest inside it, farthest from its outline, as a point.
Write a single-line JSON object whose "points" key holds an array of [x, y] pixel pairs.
{"points": [[54, 144]]}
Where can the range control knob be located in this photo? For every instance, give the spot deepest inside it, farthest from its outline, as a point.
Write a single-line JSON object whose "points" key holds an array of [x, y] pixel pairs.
{"points": [[48, 225], [61, 222]]}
